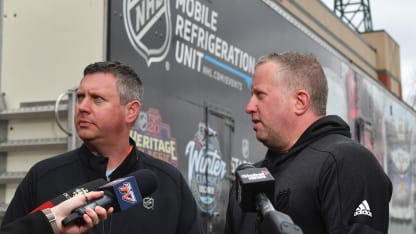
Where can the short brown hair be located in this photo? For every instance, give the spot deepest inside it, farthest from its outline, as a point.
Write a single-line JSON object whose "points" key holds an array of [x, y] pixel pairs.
{"points": [[303, 71]]}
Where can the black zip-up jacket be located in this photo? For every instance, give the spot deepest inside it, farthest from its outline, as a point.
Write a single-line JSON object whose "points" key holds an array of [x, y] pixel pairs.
{"points": [[326, 183], [170, 209], [33, 223]]}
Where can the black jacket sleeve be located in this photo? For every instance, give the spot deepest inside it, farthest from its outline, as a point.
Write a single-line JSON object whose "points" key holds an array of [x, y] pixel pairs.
{"points": [[23, 201], [354, 192], [189, 220], [33, 223]]}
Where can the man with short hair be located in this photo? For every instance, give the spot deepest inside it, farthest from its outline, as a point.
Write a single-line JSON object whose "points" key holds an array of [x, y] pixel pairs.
{"points": [[108, 103], [324, 180]]}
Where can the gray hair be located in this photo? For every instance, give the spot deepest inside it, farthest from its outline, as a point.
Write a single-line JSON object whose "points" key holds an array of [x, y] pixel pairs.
{"points": [[129, 84]]}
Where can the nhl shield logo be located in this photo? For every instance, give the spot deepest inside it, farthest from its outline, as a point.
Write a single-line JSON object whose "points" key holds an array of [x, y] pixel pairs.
{"points": [[148, 26]]}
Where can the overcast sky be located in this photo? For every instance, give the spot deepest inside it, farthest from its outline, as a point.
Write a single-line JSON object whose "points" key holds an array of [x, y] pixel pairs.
{"points": [[398, 19]]}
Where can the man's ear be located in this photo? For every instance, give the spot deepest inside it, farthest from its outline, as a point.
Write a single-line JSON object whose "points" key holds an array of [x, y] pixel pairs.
{"points": [[302, 102], [132, 111]]}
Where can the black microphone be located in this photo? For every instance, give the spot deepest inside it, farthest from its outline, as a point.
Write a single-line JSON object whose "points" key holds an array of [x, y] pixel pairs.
{"points": [[254, 188], [87, 187], [250, 181], [122, 194]]}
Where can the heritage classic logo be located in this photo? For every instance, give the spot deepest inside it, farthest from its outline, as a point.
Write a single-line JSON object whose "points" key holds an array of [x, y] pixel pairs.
{"points": [[148, 26], [153, 136]]}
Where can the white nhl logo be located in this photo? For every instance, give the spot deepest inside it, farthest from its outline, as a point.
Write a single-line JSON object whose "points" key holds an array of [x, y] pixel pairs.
{"points": [[149, 203], [148, 26]]}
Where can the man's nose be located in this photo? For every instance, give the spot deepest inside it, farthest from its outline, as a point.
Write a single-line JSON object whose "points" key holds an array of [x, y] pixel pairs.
{"points": [[251, 106]]}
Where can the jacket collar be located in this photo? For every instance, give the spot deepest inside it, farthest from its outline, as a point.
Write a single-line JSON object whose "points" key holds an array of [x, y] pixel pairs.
{"points": [[97, 164], [324, 126]]}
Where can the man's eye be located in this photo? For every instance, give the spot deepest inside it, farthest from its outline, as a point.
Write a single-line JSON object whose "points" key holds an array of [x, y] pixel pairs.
{"points": [[98, 98], [260, 95], [80, 97]]}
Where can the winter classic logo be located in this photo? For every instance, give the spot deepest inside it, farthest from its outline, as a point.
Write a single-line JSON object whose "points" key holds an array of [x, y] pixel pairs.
{"points": [[148, 26], [206, 169]]}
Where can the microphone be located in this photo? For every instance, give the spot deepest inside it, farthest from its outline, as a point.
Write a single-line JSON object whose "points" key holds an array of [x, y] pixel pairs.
{"points": [[254, 188], [90, 186], [273, 221], [122, 194], [250, 181]]}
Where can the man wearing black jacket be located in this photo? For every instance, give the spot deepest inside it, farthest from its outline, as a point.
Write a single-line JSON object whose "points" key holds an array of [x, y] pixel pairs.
{"points": [[324, 181], [108, 104]]}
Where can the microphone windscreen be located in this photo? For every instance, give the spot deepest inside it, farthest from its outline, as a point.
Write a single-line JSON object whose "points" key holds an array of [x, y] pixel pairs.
{"points": [[251, 181], [146, 180], [122, 194]]}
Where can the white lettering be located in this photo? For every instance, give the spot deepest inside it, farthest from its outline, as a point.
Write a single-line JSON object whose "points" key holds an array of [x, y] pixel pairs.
{"points": [[188, 56], [210, 163], [193, 27], [199, 12]]}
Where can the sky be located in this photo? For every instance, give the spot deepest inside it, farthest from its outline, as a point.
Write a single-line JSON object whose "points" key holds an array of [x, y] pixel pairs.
{"points": [[398, 19]]}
